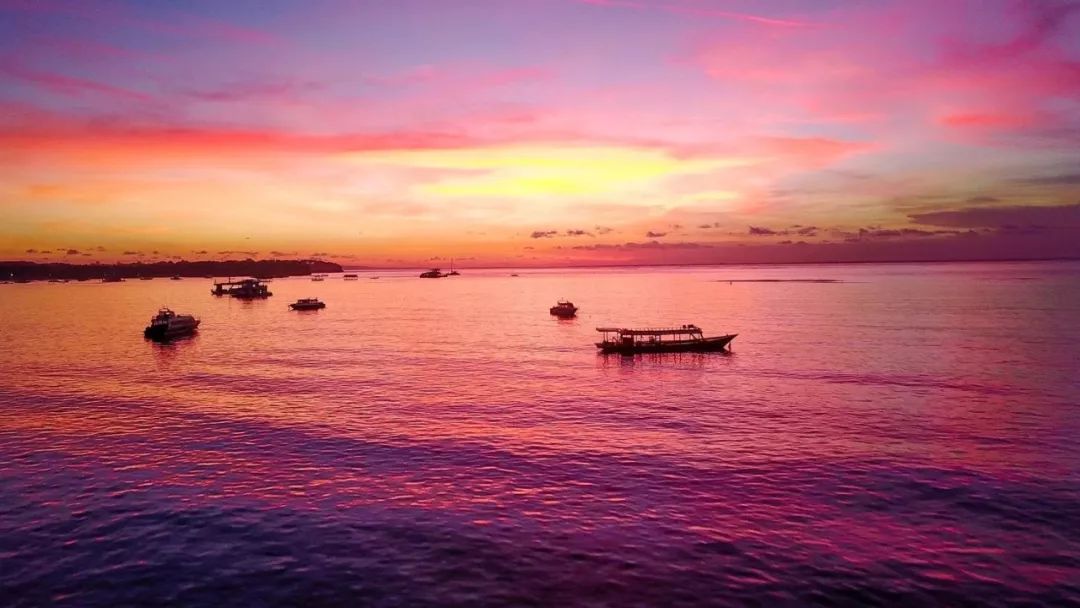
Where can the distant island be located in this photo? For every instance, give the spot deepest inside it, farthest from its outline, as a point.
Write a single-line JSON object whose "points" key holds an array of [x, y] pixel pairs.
{"points": [[263, 269]]}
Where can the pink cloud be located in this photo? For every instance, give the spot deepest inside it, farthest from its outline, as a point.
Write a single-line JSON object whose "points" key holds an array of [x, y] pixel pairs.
{"points": [[887, 63], [463, 76], [986, 120], [68, 85]]}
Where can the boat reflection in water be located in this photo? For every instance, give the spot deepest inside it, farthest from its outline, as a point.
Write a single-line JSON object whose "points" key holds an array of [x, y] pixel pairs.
{"points": [[684, 339]]}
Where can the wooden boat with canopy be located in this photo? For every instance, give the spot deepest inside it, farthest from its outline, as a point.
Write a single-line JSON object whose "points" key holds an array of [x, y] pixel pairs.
{"points": [[684, 339]]}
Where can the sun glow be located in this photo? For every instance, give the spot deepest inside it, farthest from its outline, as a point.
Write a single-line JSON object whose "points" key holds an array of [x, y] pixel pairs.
{"points": [[547, 171]]}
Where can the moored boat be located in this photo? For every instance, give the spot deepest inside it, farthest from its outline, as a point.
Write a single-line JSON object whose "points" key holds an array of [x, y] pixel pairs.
{"points": [[176, 278], [434, 273], [687, 338], [351, 277], [166, 325], [246, 289], [307, 304], [564, 309]]}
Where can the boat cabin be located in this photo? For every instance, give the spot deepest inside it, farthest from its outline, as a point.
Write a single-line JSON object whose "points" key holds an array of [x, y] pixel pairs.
{"points": [[631, 337], [661, 339]]}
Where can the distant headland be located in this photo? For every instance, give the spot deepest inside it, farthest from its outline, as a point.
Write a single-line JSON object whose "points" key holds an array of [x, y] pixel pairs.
{"points": [[263, 269]]}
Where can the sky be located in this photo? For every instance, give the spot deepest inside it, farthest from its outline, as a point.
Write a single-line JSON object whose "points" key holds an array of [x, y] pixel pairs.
{"points": [[539, 132]]}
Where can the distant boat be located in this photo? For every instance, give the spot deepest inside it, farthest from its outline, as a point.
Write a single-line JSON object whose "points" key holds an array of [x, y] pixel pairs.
{"points": [[146, 278], [351, 277], [307, 304], [176, 278], [452, 273], [687, 338], [514, 275], [318, 277], [166, 325], [112, 280], [564, 309], [434, 273], [246, 289]]}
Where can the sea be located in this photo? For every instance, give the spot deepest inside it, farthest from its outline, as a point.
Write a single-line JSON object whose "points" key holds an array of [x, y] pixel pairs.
{"points": [[879, 435]]}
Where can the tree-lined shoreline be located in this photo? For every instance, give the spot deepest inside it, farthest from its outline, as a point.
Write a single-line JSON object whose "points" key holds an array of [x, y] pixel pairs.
{"points": [[34, 271]]}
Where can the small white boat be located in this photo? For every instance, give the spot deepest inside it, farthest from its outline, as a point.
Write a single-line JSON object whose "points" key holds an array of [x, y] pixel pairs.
{"points": [[167, 325]]}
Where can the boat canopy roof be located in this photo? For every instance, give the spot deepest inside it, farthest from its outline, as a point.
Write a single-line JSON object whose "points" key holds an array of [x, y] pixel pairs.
{"points": [[651, 331]]}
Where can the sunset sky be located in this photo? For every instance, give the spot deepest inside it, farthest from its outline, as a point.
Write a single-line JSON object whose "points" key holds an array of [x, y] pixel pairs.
{"points": [[539, 132]]}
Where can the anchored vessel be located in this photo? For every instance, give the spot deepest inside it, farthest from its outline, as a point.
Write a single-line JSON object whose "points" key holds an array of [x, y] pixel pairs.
{"points": [[434, 273], [564, 309], [246, 289], [351, 277], [307, 304], [687, 338], [167, 325]]}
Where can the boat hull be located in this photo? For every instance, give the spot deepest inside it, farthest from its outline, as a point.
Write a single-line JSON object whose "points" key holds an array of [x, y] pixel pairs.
{"points": [[307, 306], [164, 333], [706, 345]]}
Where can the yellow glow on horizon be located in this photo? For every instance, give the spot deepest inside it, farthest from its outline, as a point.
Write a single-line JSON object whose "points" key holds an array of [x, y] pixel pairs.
{"points": [[546, 170]]}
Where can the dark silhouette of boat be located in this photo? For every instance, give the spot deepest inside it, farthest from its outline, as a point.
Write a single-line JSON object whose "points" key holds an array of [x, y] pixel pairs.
{"points": [[307, 304], [564, 309], [452, 273], [166, 325], [687, 338], [246, 289], [176, 278], [351, 277], [434, 273], [112, 279]]}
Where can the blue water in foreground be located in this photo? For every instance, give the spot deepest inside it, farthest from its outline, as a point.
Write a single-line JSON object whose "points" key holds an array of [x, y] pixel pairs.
{"points": [[907, 434]]}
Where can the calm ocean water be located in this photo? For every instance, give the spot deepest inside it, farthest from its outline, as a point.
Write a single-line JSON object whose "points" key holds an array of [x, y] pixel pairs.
{"points": [[907, 435]]}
